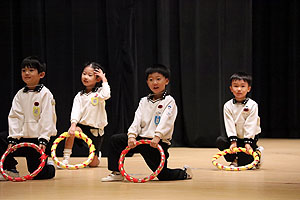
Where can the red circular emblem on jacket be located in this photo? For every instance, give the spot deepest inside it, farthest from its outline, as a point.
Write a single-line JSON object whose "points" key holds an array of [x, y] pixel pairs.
{"points": [[36, 103], [160, 106]]}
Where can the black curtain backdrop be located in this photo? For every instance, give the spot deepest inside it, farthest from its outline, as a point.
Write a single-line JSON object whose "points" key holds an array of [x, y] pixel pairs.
{"points": [[276, 66], [203, 42]]}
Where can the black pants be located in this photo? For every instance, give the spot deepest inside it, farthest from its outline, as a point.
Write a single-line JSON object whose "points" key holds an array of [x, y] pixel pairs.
{"points": [[151, 156], [10, 162], [223, 142], [96, 140], [31, 155]]}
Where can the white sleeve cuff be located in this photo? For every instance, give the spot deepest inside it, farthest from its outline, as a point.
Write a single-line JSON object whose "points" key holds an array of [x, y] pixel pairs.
{"points": [[131, 135]]}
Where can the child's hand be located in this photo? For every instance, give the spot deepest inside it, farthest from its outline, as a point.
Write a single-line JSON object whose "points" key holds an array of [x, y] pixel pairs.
{"points": [[72, 129], [248, 147], [9, 146], [99, 72], [232, 146], [43, 147], [154, 142], [131, 142], [78, 129]]}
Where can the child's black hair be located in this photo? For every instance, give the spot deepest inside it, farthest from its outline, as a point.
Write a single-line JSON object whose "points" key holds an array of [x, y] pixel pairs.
{"points": [[159, 68], [33, 62], [241, 76], [93, 65]]}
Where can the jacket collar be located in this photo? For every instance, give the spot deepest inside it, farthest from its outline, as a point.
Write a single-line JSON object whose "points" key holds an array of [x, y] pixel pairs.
{"points": [[150, 97], [37, 88], [234, 101], [93, 90]]}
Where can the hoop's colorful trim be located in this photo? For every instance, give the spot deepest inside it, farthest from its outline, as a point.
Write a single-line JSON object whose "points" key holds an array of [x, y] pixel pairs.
{"points": [[229, 168], [151, 176], [80, 136], [33, 174]]}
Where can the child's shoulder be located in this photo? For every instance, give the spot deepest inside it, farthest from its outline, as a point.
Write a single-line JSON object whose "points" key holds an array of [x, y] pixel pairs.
{"points": [[21, 90], [229, 102], [251, 102], [44, 92], [169, 98], [44, 89]]}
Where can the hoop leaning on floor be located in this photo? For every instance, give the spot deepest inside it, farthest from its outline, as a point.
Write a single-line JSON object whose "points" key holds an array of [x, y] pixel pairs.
{"points": [[27, 177], [80, 136], [229, 168], [151, 176]]}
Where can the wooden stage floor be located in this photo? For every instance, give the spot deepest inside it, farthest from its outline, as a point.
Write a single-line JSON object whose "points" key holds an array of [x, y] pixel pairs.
{"points": [[279, 178]]}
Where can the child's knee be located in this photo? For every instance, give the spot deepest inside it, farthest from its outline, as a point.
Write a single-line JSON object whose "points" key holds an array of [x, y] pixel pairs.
{"points": [[48, 172], [70, 138], [95, 162], [117, 138], [114, 137], [221, 142], [51, 171]]}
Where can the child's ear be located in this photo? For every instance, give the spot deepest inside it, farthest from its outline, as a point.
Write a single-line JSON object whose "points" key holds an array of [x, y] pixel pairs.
{"points": [[249, 88], [98, 79], [167, 81], [42, 74]]}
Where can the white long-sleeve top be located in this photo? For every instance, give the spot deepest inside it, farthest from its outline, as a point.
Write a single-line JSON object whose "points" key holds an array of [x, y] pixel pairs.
{"points": [[154, 119], [89, 108], [32, 114], [241, 120]]}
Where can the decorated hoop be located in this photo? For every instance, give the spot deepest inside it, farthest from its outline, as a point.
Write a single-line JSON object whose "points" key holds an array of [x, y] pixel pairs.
{"points": [[151, 176], [33, 174], [229, 168], [80, 136]]}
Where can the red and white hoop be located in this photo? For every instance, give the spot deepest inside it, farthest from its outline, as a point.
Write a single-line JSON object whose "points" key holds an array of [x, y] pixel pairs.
{"points": [[145, 179], [33, 174]]}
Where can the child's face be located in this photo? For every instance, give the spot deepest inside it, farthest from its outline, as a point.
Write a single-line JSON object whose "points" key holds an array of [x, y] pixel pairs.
{"points": [[31, 76], [239, 88], [88, 77], [157, 82]]}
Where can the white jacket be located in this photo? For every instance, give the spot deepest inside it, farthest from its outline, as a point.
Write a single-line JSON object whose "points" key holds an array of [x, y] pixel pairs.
{"points": [[154, 119], [241, 120], [89, 109], [32, 114]]}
